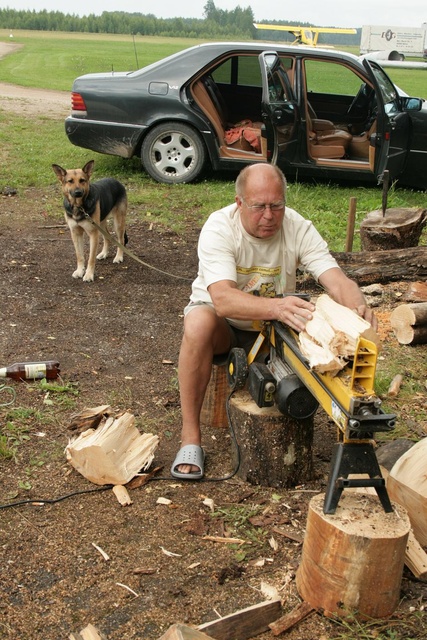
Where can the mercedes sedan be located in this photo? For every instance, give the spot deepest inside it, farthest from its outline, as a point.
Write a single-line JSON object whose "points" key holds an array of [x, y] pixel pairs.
{"points": [[219, 106]]}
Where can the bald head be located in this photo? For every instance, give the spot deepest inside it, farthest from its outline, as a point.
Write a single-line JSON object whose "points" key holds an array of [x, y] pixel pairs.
{"points": [[259, 174]]}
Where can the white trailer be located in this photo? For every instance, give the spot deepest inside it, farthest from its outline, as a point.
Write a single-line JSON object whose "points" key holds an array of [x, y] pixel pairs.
{"points": [[411, 41]]}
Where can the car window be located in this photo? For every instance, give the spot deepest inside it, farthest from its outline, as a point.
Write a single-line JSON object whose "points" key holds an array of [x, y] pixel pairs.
{"points": [[241, 70], [279, 87], [330, 78], [388, 91]]}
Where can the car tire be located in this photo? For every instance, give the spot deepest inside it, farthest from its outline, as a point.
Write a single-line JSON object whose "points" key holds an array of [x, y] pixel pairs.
{"points": [[173, 153]]}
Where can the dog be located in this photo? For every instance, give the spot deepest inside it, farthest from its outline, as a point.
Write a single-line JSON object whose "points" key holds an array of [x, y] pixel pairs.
{"points": [[85, 202]]}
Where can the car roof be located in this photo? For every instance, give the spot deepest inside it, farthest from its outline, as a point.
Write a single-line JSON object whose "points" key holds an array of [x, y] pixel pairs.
{"points": [[188, 61]]}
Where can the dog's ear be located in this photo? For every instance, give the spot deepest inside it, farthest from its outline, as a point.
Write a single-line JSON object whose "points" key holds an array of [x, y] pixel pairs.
{"points": [[60, 172], [88, 168]]}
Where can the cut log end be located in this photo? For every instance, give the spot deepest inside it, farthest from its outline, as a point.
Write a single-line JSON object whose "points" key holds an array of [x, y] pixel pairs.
{"points": [[409, 323]]}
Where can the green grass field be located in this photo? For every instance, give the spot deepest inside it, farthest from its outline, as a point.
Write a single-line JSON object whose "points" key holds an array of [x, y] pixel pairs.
{"points": [[30, 145]]}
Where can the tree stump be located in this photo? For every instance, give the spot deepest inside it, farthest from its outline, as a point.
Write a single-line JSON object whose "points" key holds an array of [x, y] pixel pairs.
{"points": [[213, 412], [352, 561], [397, 229], [275, 450]]}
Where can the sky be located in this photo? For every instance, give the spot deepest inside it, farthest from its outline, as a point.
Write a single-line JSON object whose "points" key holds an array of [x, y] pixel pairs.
{"points": [[327, 13]]}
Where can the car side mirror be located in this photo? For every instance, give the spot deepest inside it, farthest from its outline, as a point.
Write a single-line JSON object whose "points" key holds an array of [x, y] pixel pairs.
{"points": [[411, 104]]}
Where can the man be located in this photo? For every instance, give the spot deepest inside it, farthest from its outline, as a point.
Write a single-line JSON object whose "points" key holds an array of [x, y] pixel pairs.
{"points": [[249, 253]]}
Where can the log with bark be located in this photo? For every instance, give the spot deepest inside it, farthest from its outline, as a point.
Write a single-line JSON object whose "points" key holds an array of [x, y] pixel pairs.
{"points": [[352, 561], [274, 450], [114, 452], [409, 323], [416, 292], [368, 267], [396, 228]]}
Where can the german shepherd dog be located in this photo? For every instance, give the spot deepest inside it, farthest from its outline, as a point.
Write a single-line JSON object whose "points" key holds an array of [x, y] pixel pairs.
{"points": [[85, 201]]}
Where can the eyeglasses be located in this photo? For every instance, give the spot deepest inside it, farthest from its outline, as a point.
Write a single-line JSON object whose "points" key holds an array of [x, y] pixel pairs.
{"points": [[260, 208]]}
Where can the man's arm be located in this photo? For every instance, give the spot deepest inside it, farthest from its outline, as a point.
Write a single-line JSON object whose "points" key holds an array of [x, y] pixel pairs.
{"points": [[230, 302], [346, 292]]}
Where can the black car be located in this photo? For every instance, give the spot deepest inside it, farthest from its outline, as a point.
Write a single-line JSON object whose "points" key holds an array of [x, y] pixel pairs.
{"points": [[315, 113]]}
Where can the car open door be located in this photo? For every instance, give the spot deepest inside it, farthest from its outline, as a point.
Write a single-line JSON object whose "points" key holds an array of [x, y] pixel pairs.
{"points": [[391, 140], [278, 109]]}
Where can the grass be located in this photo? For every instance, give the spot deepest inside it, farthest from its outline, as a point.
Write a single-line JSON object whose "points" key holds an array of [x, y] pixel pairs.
{"points": [[59, 58]]}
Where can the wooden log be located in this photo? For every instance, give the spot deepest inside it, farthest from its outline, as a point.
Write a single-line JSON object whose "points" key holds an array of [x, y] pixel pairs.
{"points": [[245, 623], [407, 485], [395, 385], [398, 228], [213, 412], [292, 618], [352, 561], [409, 323], [275, 450], [415, 556], [368, 267], [416, 292]]}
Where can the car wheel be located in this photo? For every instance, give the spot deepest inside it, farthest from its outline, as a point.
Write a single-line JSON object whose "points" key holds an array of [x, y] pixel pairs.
{"points": [[173, 153]]}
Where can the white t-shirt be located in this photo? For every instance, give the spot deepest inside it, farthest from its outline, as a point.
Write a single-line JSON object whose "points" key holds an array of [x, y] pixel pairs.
{"points": [[261, 266]]}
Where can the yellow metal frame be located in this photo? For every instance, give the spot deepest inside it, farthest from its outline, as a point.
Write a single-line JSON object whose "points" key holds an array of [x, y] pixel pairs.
{"points": [[336, 394]]}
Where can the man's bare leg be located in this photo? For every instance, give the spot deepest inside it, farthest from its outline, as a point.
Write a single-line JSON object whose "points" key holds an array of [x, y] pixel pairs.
{"points": [[205, 334]]}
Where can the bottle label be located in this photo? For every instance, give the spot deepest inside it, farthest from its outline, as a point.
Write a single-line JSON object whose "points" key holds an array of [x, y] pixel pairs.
{"points": [[35, 371], [3, 372]]}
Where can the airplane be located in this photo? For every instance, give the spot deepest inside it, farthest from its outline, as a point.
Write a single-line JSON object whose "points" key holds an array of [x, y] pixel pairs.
{"points": [[303, 35]]}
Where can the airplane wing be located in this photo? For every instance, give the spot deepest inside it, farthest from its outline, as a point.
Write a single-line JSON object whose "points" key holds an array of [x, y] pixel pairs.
{"points": [[299, 29]]}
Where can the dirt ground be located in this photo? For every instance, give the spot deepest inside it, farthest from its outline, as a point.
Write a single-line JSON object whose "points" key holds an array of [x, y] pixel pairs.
{"points": [[117, 341]]}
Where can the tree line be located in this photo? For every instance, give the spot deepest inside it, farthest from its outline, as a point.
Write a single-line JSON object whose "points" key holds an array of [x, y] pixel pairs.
{"points": [[236, 23]]}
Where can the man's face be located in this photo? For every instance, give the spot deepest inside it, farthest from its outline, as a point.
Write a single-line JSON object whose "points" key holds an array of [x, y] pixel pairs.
{"points": [[263, 206]]}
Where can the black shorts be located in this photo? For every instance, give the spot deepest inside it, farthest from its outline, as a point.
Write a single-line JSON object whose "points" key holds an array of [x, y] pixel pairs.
{"points": [[238, 338]]}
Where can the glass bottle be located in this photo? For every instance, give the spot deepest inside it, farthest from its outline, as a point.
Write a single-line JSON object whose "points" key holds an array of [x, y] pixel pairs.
{"points": [[48, 369]]}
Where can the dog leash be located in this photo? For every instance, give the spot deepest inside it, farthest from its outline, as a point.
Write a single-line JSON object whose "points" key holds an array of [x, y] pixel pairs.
{"points": [[110, 237]]}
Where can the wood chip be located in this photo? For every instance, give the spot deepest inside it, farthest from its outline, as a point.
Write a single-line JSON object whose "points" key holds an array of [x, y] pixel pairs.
{"points": [[122, 495], [101, 551], [226, 540]]}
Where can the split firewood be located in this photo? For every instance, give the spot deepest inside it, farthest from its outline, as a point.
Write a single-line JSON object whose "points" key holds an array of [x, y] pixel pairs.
{"points": [[409, 323], [244, 624], [292, 618], [114, 452], [407, 485], [331, 337], [89, 418], [184, 632], [88, 633], [395, 385], [122, 495]]}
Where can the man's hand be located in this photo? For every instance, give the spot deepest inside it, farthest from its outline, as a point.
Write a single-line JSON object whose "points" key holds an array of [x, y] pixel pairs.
{"points": [[365, 312], [294, 311]]}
